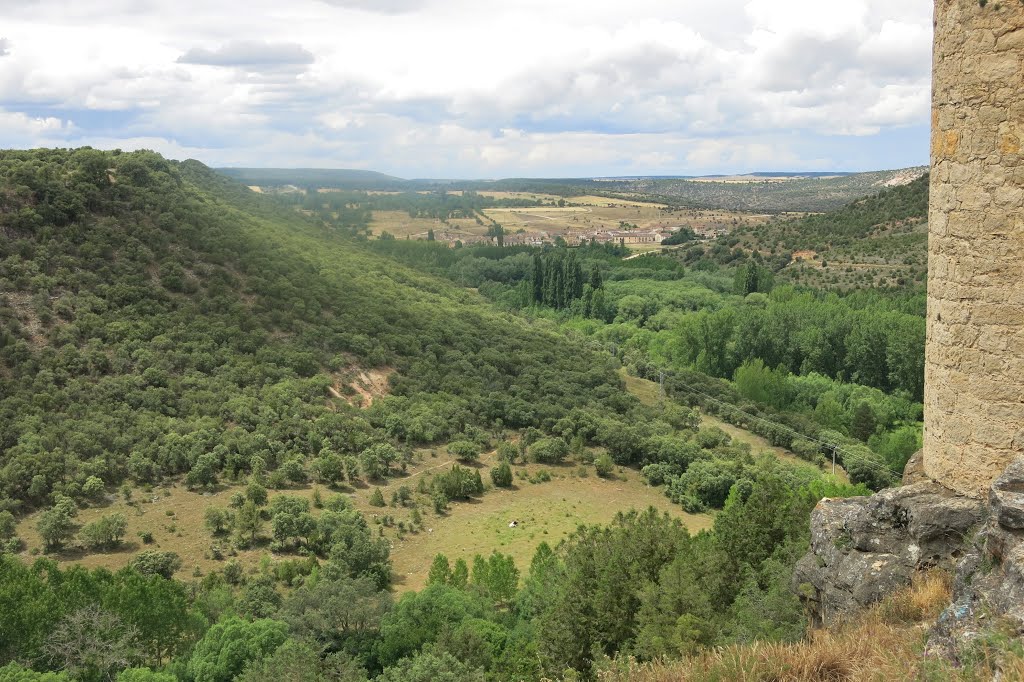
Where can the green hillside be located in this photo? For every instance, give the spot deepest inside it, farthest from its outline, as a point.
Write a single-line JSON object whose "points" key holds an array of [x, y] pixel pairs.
{"points": [[158, 319], [898, 210], [878, 241]]}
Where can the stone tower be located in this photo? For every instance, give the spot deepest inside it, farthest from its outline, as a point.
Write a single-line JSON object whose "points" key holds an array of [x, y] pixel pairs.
{"points": [[974, 363]]}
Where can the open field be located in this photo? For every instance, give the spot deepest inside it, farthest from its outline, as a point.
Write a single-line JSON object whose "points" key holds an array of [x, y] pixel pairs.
{"points": [[582, 215], [610, 214], [546, 511], [401, 225]]}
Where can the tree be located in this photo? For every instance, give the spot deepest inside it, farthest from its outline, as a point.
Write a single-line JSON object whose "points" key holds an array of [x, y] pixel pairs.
{"points": [[333, 611], [217, 520], [7, 525], [867, 467], [249, 522], [460, 574], [291, 520], [105, 533], [440, 571], [231, 644], [55, 527], [255, 492], [864, 423], [464, 450], [501, 475], [144, 675], [203, 471], [154, 562], [377, 498], [329, 467], [93, 488], [430, 667], [91, 643], [548, 451], [497, 577], [294, 471], [376, 460], [430, 234]]}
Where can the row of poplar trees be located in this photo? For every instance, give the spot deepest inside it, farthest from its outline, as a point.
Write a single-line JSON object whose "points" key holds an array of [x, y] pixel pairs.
{"points": [[558, 279]]}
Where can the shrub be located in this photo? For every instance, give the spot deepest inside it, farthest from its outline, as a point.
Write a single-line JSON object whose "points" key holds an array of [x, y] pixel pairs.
{"points": [[93, 488], [104, 533], [377, 498], [604, 465], [152, 562], [464, 450], [549, 451], [7, 525], [459, 483], [507, 452], [501, 475]]}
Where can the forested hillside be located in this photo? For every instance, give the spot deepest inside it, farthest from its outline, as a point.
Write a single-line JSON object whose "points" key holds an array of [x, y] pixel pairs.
{"points": [[879, 241], [155, 314]]}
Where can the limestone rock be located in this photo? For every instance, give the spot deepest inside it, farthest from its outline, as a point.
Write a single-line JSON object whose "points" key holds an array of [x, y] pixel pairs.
{"points": [[1007, 496], [989, 583], [864, 548]]}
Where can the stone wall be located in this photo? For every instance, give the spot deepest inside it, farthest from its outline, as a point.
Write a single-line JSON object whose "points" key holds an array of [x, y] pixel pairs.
{"points": [[974, 366]]}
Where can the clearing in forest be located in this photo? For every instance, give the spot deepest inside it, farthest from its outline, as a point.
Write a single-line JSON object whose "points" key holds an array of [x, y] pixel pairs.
{"points": [[545, 511]]}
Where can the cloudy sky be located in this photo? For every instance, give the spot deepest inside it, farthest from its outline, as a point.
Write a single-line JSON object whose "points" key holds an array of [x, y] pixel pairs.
{"points": [[475, 88]]}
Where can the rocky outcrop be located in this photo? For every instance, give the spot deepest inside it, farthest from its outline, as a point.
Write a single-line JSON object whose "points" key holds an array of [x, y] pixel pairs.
{"points": [[989, 585], [863, 548]]}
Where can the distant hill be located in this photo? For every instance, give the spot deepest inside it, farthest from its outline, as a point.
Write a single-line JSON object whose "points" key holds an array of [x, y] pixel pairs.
{"points": [[807, 193], [881, 239], [340, 178]]}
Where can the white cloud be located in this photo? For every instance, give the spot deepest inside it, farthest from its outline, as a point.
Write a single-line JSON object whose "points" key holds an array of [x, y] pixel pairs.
{"points": [[452, 87], [16, 126], [248, 53], [380, 6]]}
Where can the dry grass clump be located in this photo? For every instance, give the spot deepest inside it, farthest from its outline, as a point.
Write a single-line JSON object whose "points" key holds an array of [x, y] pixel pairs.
{"points": [[924, 600], [883, 643]]}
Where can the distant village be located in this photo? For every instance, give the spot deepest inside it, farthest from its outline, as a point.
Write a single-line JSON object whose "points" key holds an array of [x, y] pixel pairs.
{"points": [[579, 238]]}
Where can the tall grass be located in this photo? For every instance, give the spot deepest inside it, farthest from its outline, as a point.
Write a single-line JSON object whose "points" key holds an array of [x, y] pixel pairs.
{"points": [[885, 642]]}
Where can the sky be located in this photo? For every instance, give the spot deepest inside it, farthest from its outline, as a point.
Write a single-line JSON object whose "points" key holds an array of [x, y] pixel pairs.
{"points": [[476, 88]]}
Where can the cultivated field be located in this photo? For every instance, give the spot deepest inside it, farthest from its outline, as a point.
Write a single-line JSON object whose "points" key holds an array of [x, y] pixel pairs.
{"points": [[399, 224]]}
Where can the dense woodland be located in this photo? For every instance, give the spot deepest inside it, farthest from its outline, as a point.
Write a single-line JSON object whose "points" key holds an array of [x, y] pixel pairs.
{"points": [[160, 322]]}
